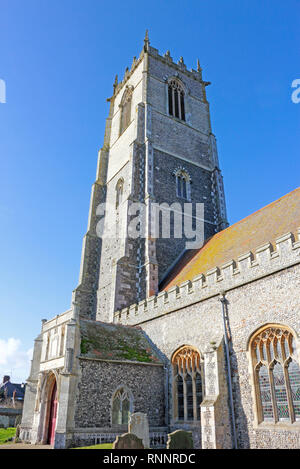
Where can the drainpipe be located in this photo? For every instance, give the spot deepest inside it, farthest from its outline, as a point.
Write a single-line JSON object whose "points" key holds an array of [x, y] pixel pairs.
{"points": [[224, 301], [166, 368]]}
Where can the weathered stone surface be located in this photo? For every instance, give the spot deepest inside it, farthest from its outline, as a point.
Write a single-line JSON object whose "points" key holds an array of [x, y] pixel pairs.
{"points": [[139, 426], [180, 439], [128, 441]]}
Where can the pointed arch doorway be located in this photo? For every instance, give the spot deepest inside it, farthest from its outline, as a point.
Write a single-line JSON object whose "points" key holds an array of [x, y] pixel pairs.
{"points": [[52, 415]]}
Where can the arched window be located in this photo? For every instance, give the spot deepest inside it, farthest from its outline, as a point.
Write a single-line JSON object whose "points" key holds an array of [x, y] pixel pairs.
{"points": [[121, 407], [276, 375], [125, 108], [187, 384], [176, 99], [119, 192], [183, 188]]}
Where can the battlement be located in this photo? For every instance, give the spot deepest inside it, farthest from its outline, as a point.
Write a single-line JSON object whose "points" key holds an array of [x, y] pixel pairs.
{"points": [[165, 58], [246, 268]]}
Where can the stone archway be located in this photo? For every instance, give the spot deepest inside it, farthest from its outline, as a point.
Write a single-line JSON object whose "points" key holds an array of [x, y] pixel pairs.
{"points": [[48, 409], [51, 424]]}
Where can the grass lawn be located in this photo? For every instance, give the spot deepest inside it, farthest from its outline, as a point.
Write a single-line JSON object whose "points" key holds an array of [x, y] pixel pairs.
{"points": [[103, 446], [6, 433]]}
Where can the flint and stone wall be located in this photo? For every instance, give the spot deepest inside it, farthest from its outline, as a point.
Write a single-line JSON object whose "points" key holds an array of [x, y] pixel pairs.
{"points": [[101, 379], [260, 291]]}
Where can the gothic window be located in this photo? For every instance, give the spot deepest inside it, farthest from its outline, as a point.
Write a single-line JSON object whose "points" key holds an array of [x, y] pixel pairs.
{"points": [[119, 192], [276, 374], [176, 100], [125, 108], [187, 384], [183, 188], [121, 407]]}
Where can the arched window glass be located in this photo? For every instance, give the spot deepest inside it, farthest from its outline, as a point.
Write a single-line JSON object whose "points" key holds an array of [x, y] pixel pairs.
{"points": [[280, 393], [265, 393], [294, 378], [121, 407], [183, 188], [180, 398], [189, 397], [187, 384], [176, 100], [198, 393], [125, 108], [277, 375]]}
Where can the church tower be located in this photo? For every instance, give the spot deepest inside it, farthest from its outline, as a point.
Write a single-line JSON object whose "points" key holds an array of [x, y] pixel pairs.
{"points": [[158, 149]]}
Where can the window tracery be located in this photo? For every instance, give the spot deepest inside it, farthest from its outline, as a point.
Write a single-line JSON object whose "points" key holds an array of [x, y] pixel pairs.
{"points": [[176, 99], [276, 374], [121, 407], [187, 384]]}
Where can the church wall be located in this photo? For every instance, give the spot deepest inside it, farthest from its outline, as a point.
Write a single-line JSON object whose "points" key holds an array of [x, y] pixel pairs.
{"points": [[100, 380], [273, 299], [250, 307], [178, 138]]}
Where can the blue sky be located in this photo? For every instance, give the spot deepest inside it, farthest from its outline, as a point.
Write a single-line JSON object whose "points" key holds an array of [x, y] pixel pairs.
{"points": [[58, 59]]}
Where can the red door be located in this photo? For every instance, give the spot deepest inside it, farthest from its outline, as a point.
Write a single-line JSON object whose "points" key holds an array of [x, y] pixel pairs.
{"points": [[52, 417]]}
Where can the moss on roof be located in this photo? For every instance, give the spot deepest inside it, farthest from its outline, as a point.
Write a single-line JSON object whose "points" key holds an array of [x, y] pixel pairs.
{"points": [[115, 342]]}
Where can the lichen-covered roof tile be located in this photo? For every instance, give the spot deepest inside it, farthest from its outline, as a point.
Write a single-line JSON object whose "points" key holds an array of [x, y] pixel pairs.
{"points": [[265, 225]]}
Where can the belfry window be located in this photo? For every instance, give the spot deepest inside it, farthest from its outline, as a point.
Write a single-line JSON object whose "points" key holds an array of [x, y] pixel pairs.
{"points": [[187, 384], [176, 100], [183, 185], [121, 407], [276, 375], [125, 108]]}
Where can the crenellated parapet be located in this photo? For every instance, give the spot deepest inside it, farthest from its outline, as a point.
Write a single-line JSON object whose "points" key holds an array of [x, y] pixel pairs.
{"points": [[166, 58], [266, 260]]}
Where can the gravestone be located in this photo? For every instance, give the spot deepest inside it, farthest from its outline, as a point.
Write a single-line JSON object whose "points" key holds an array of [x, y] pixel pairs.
{"points": [[128, 441], [180, 439], [138, 425]]}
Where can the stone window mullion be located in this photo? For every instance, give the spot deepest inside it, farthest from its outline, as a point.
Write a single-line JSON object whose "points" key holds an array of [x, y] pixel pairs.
{"points": [[173, 101], [179, 103], [272, 386], [194, 396], [175, 394], [185, 398], [289, 393]]}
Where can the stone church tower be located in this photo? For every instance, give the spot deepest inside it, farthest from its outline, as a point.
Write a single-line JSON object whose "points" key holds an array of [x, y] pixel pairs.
{"points": [[158, 149], [203, 339]]}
